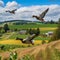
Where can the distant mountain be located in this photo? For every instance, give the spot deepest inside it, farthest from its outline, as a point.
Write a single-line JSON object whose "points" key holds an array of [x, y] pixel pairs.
{"points": [[18, 21]]}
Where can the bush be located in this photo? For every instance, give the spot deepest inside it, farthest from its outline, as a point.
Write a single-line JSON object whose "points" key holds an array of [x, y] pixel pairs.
{"points": [[56, 35], [34, 31]]}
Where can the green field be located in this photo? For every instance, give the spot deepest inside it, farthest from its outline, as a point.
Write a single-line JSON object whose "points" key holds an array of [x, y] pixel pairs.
{"points": [[26, 26], [43, 29], [48, 27], [10, 37]]}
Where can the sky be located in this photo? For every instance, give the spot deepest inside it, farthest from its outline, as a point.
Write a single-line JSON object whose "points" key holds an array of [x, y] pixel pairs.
{"points": [[27, 8]]}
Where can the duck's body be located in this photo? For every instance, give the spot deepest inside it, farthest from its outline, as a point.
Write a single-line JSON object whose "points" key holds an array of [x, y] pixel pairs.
{"points": [[28, 40], [41, 16]]}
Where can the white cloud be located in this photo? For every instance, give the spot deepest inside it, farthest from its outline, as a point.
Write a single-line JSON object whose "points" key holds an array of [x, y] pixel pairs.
{"points": [[1, 3], [26, 12], [12, 5]]}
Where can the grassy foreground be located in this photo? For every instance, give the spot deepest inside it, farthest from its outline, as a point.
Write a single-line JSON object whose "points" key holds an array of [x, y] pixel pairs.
{"points": [[50, 51]]}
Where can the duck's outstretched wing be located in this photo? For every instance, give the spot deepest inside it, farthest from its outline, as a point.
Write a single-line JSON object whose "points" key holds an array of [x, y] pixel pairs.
{"points": [[14, 10], [42, 15], [31, 37], [11, 11], [7, 11]]}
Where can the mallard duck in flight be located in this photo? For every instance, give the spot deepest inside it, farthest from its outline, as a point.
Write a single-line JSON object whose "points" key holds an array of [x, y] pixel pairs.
{"points": [[41, 16], [13, 11], [28, 40]]}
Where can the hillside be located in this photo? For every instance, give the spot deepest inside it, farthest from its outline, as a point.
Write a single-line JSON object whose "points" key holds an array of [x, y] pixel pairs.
{"points": [[48, 51]]}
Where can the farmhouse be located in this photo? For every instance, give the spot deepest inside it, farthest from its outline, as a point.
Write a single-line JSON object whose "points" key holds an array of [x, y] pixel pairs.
{"points": [[48, 34]]}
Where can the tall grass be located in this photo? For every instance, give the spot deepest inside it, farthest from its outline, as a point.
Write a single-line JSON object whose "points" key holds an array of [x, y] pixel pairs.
{"points": [[48, 54]]}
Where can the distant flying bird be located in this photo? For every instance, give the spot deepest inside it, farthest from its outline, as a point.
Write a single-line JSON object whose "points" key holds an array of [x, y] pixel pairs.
{"points": [[28, 40], [41, 16], [13, 11]]}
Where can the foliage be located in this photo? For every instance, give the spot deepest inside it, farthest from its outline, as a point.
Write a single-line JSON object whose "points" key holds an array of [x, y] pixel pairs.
{"points": [[9, 47], [27, 57], [56, 35], [34, 31], [47, 54], [6, 28], [13, 56]]}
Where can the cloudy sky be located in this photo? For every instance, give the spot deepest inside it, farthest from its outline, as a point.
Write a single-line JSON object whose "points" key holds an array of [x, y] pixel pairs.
{"points": [[27, 8]]}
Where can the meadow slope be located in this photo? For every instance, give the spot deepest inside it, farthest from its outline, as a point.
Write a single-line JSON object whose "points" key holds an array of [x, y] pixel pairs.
{"points": [[41, 52]]}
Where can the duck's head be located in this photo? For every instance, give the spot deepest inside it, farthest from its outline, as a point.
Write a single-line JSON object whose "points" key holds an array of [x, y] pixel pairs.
{"points": [[34, 16]]}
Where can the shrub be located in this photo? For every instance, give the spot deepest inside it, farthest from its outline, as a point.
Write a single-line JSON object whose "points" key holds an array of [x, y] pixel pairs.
{"points": [[34, 31], [56, 35]]}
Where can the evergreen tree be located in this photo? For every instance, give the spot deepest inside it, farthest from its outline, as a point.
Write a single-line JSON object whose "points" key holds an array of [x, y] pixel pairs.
{"points": [[6, 28]]}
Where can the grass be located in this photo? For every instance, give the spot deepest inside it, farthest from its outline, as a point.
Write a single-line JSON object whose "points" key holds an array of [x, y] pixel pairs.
{"points": [[43, 29], [17, 42], [8, 47], [12, 44], [16, 34], [27, 57], [24, 36], [26, 26], [48, 54]]}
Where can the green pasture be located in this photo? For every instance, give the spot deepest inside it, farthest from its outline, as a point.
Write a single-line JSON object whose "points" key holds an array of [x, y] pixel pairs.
{"points": [[11, 35], [26, 26], [15, 35]]}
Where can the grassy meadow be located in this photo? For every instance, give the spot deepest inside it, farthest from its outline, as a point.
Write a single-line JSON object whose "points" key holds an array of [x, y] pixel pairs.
{"points": [[44, 28], [10, 37], [41, 49], [27, 26]]}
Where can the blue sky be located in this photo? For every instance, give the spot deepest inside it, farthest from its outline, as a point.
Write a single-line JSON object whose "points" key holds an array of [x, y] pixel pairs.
{"points": [[27, 8], [35, 2]]}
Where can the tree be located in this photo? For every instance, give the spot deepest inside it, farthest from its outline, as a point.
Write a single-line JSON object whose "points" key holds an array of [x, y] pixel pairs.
{"points": [[30, 31], [38, 31], [6, 28], [51, 22], [34, 31], [56, 35]]}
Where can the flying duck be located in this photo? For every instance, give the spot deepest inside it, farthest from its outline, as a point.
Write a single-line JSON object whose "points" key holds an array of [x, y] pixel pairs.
{"points": [[28, 40], [41, 16], [13, 11]]}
